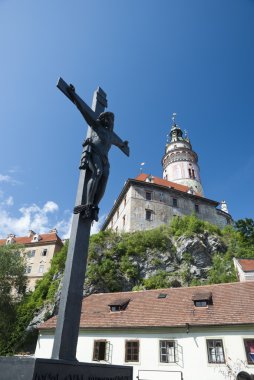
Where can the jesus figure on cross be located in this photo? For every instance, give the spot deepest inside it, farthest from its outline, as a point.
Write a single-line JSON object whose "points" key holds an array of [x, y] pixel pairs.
{"points": [[95, 151]]}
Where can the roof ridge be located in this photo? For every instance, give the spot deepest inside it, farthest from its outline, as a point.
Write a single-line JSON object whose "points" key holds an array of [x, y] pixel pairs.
{"points": [[173, 289]]}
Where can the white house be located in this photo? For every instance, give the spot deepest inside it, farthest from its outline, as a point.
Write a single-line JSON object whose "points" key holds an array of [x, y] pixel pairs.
{"points": [[204, 332], [245, 269]]}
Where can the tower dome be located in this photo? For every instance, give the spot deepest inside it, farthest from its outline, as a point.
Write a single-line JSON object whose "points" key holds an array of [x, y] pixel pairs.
{"points": [[180, 162]]}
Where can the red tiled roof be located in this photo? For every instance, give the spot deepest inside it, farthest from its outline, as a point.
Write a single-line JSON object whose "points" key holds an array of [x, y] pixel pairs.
{"points": [[145, 309], [162, 182], [247, 264], [44, 238]]}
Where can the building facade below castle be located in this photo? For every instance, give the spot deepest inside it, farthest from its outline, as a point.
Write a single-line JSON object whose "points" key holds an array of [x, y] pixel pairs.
{"points": [[38, 249]]}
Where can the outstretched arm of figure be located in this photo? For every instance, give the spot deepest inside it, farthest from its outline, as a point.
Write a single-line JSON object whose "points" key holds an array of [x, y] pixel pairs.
{"points": [[69, 91], [123, 145], [85, 110]]}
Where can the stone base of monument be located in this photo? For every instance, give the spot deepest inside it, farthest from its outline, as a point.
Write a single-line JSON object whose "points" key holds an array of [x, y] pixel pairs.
{"points": [[20, 368]]}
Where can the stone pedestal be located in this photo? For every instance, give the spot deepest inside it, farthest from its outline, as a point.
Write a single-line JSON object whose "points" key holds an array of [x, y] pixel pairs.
{"points": [[20, 368]]}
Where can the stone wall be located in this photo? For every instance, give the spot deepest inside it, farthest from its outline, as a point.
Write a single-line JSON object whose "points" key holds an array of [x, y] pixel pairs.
{"points": [[140, 211]]}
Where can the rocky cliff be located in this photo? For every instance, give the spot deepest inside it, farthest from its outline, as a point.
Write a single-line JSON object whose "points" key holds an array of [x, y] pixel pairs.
{"points": [[188, 252]]}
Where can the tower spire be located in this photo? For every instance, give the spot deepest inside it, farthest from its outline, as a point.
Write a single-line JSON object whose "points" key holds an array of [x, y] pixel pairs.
{"points": [[180, 162], [174, 118]]}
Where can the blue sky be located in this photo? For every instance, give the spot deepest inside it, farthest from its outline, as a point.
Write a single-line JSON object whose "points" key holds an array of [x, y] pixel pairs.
{"points": [[152, 58]]}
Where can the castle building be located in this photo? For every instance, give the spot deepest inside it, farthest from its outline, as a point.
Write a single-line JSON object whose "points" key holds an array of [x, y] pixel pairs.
{"points": [[39, 250], [147, 201]]}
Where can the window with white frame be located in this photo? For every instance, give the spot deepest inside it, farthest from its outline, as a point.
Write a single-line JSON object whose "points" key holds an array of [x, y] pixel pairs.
{"points": [[215, 351], [101, 350], [249, 349], [41, 269], [167, 351], [44, 252]]}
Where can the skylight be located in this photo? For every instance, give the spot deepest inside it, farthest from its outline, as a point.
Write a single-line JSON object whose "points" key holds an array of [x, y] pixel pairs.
{"points": [[162, 295]]}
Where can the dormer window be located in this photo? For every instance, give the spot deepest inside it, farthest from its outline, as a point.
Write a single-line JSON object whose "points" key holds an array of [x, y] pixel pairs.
{"points": [[202, 299], [119, 305], [36, 237], [10, 239], [149, 179], [201, 303]]}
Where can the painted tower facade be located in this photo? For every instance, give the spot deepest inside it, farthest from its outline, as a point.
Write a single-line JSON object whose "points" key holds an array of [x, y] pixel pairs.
{"points": [[180, 162]]}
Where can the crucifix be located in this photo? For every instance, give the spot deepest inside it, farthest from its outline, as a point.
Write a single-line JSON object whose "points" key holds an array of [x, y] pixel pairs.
{"points": [[94, 172]]}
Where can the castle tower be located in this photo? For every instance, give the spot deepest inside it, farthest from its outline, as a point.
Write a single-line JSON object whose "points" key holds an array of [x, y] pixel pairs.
{"points": [[180, 162]]}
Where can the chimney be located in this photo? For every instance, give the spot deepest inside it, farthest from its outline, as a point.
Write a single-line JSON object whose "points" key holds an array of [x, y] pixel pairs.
{"points": [[11, 236], [53, 231], [31, 233]]}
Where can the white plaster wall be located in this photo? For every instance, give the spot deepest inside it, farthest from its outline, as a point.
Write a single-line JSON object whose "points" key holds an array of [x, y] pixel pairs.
{"points": [[193, 362], [249, 276], [243, 276]]}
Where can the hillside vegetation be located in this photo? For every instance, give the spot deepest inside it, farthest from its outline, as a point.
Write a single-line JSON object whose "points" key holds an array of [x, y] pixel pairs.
{"points": [[188, 252]]}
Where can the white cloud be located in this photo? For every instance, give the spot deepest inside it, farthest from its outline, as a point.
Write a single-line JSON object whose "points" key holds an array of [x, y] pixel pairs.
{"points": [[31, 217], [64, 227], [38, 219], [96, 226], [8, 201], [5, 178], [14, 169], [9, 179], [50, 207]]}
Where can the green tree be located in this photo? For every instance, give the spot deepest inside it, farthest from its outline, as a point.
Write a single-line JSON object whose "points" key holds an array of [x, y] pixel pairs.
{"points": [[222, 270], [19, 339], [246, 229], [12, 287]]}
